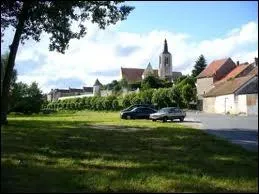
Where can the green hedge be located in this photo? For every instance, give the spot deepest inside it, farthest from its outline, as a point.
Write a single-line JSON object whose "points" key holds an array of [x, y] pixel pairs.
{"points": [[162, 97]]}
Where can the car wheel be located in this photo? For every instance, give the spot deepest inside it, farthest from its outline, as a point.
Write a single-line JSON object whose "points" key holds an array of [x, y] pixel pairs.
{"points": [[128, 117], [154, 120], [164, 119], [181, 119]]}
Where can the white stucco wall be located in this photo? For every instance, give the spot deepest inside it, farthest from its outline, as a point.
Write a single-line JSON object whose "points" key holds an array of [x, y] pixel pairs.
{"points": [[78, 96], [209, 105], [241, 104], [233, 104], [225, 104]]}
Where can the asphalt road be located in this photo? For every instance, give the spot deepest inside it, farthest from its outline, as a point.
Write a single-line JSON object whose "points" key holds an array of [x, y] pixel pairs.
{"points": [[242, 130]]}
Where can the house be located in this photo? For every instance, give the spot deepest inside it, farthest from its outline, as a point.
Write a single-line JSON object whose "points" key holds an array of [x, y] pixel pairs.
{"points": [[164, 71], [235, 96], [211, 74], [226, 87]]}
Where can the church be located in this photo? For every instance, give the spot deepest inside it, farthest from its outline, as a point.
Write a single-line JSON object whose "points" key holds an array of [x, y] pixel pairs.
{"points": [[133, 75]]}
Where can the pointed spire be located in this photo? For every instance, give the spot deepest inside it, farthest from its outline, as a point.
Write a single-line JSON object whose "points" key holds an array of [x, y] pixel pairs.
{"points": [[97, 83], [165, 47]]}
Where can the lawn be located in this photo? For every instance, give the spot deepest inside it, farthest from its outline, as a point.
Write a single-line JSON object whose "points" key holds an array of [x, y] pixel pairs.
{"points": [[97, 152]]}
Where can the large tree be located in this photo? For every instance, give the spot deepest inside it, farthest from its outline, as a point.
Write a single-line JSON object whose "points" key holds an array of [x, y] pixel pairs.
{"points": [[31, 18], [199, 66], [4, 59]]}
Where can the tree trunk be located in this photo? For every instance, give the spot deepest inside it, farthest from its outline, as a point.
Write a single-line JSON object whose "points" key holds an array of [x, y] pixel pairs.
{"points": [[11, 61]]}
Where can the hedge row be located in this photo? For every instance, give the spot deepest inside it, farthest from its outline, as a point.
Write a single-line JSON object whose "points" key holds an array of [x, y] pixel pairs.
{"points": [[162, 97]]}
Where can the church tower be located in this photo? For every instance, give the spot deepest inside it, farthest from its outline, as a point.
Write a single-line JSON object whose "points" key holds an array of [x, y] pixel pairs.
{"points": [[97, 88], [165, 64]]}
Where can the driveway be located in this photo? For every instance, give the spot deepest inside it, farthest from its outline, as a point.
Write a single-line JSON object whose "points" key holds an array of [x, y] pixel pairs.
{"points": [[242, 130]]}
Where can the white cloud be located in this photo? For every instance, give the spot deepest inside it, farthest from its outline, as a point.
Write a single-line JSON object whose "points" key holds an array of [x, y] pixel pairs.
{"points": [[97, 52]]}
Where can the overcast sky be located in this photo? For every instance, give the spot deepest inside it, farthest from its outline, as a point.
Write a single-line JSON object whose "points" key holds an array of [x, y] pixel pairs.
{"points": [[215, 29]]}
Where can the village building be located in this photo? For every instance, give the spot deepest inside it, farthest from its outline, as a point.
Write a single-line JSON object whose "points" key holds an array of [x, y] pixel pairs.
{"points": [[133, 75], [226, 87], [60, 94]]}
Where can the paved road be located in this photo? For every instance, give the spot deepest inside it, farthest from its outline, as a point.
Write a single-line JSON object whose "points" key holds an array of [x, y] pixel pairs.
{"points": [[242, 130]]}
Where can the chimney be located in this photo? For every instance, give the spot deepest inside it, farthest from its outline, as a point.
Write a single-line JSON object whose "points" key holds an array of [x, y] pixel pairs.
{"points": [[237, 63], [256, 61]]}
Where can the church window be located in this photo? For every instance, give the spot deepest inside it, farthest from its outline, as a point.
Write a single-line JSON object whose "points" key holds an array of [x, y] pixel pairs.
{"points": [[166, 60], [159, 59]]}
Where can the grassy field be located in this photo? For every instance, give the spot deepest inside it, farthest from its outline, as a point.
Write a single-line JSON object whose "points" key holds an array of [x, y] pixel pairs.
{"points": [[98, 152]]}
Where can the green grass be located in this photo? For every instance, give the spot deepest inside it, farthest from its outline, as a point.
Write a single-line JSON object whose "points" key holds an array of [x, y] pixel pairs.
{"points": [[98, 152]]}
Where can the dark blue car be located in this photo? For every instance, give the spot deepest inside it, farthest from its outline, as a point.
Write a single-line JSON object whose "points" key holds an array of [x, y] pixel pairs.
{"points": [[138, 113]]}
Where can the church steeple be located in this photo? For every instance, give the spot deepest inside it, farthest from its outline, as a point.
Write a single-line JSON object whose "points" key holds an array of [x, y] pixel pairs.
{"points": [[165, 47], [165, 63]]}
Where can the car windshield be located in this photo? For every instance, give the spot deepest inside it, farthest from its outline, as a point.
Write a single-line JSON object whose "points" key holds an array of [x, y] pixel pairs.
{"points": [[130, 108], [134, 109], [164, 110]]}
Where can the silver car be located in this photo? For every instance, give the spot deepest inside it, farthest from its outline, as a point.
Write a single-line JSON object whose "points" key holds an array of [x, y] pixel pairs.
{"points": [[169, 113]]}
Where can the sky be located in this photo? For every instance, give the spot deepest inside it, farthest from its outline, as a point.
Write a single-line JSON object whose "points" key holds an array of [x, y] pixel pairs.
{"points": [[215, 29]]}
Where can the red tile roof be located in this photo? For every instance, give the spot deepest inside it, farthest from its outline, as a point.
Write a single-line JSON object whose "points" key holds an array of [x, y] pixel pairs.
{"points": [[134, 74], [229, 87], [212, 68], [234, 73]]}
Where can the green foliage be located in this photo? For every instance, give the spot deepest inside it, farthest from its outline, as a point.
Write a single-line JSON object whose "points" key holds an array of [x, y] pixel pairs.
{"points": [[124, 83], [199, 66], [114, 86], [179, 79], [115, 105], [187, 93], [136, 99], [151, 82], [175, 95], [161, 98], [146, 96], [180, 95], [26, 99], [126, 101], [56, 18]]}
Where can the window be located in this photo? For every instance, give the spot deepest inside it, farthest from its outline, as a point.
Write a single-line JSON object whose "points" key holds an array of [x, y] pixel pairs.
{"points": [[159, 59]]}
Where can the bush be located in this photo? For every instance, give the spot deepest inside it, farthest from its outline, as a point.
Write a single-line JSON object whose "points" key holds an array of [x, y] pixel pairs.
{"points": [[161, 98], [115, 104]]}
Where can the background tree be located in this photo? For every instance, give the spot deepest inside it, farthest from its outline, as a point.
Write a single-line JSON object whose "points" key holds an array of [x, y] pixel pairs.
{"points": [[135, 85], [151, 82], [199, 66], [179, 79], [124, 83], [188, 94], [31, 18], [175, 95], [26, 99]]}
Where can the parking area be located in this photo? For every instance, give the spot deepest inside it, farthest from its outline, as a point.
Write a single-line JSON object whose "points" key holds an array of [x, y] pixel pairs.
{"points": [[242, 130]]}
